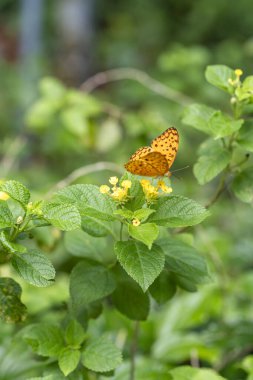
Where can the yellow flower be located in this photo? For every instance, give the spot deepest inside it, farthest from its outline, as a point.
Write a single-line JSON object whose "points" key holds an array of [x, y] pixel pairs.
{"points": [[104, 189], [113, 180], [166, 189], [119, 194], [145, 183], [238, 73], [4, 196], [136, 222], [126, 184]]}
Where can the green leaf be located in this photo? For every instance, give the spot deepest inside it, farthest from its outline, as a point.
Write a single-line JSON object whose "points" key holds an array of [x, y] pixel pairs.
{"points": [[146, 233], [16, 191], [177, 211], [143, 213], [212, 163], [190, 373], [96, 227], [74, 334], [124, 212], [163, 288], [89, 201], [6, 218], [51, 88], [219, 75], [90, 282], [245, 137], [136, 195], [8, 246], [242, 185], [64, 216], [45, 338], [81, 244], [12, 310], [141, 264], [183, 260], [101, 356], [68, 360], [34, 267], [210, 121], [130, 300]]}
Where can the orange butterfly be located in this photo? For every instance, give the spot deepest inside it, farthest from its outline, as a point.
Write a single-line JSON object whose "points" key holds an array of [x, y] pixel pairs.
{"points": [[155, 160]]}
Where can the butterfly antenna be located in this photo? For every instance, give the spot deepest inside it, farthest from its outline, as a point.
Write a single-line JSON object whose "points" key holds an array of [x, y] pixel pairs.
{"points": [[178, 170]]}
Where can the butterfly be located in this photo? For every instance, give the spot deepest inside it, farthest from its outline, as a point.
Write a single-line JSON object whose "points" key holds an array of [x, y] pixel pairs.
{"points": [[156, 159]]}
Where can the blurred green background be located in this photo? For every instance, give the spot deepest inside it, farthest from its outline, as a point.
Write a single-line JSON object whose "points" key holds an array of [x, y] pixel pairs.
{"points": [[50, 127]]}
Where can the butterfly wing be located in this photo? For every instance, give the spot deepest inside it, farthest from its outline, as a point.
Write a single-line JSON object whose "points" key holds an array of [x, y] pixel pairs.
{"points": [[167, 144], [151, 164]]}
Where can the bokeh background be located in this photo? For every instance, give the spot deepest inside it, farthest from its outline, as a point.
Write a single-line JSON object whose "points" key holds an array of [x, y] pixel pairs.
{"points": [[57, 116]]}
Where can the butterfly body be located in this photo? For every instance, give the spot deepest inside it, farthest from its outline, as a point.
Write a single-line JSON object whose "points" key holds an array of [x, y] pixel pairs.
{"points": [[155, 160]]}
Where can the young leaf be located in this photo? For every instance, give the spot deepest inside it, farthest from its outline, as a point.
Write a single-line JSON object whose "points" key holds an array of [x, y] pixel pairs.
{"points": [[211, 164], [34, 267], [124, 212], [90, 282], [221, 125], [12, 310], [242, 185], [177, 211], [130, 300], [101, 356], [198, 116], [45, 338], [141, 264], [74, 334], [143, 213], [8, 246], [183, 260], [6, 218], [163, 288], [68, 360], [89, 201], [64, 216], [245, 137], [16, 191], [136, 195], [219, 75], [146, 233]]}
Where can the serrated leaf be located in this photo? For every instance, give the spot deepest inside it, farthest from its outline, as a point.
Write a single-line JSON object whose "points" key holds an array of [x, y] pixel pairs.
{"points": [[190, 373], [64, 216], [89, 201], [74, 334], [68, 360], [177, 211], [211, 164], [101, 356], [130, 300], [210, 121], [141, 264], [46, 339], [163, 288], [183, 260], [143, 213], [90, 282], [16, 191], [12, 310], [96, 227], [219, 75], [242, 185], [6, 218], [146, 233], [34, 267], [81, 244], [136, 195]]}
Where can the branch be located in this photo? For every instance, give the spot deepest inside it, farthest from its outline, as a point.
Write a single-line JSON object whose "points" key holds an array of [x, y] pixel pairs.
{"points": [[84, 170], [134, 350], [139, 76]]}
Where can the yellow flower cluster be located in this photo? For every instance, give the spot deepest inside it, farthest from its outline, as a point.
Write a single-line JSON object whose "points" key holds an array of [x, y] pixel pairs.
{"points": [[152, 192], [118, 193], [4, 196], [236, 82]]}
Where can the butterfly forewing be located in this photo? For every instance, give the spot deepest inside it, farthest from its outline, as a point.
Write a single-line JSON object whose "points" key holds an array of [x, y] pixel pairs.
{"points": [[167, 144]]}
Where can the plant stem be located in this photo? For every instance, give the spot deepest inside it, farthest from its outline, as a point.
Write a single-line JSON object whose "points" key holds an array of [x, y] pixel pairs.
{"points": [[221, 187], [134, 349], [120, 231]]}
